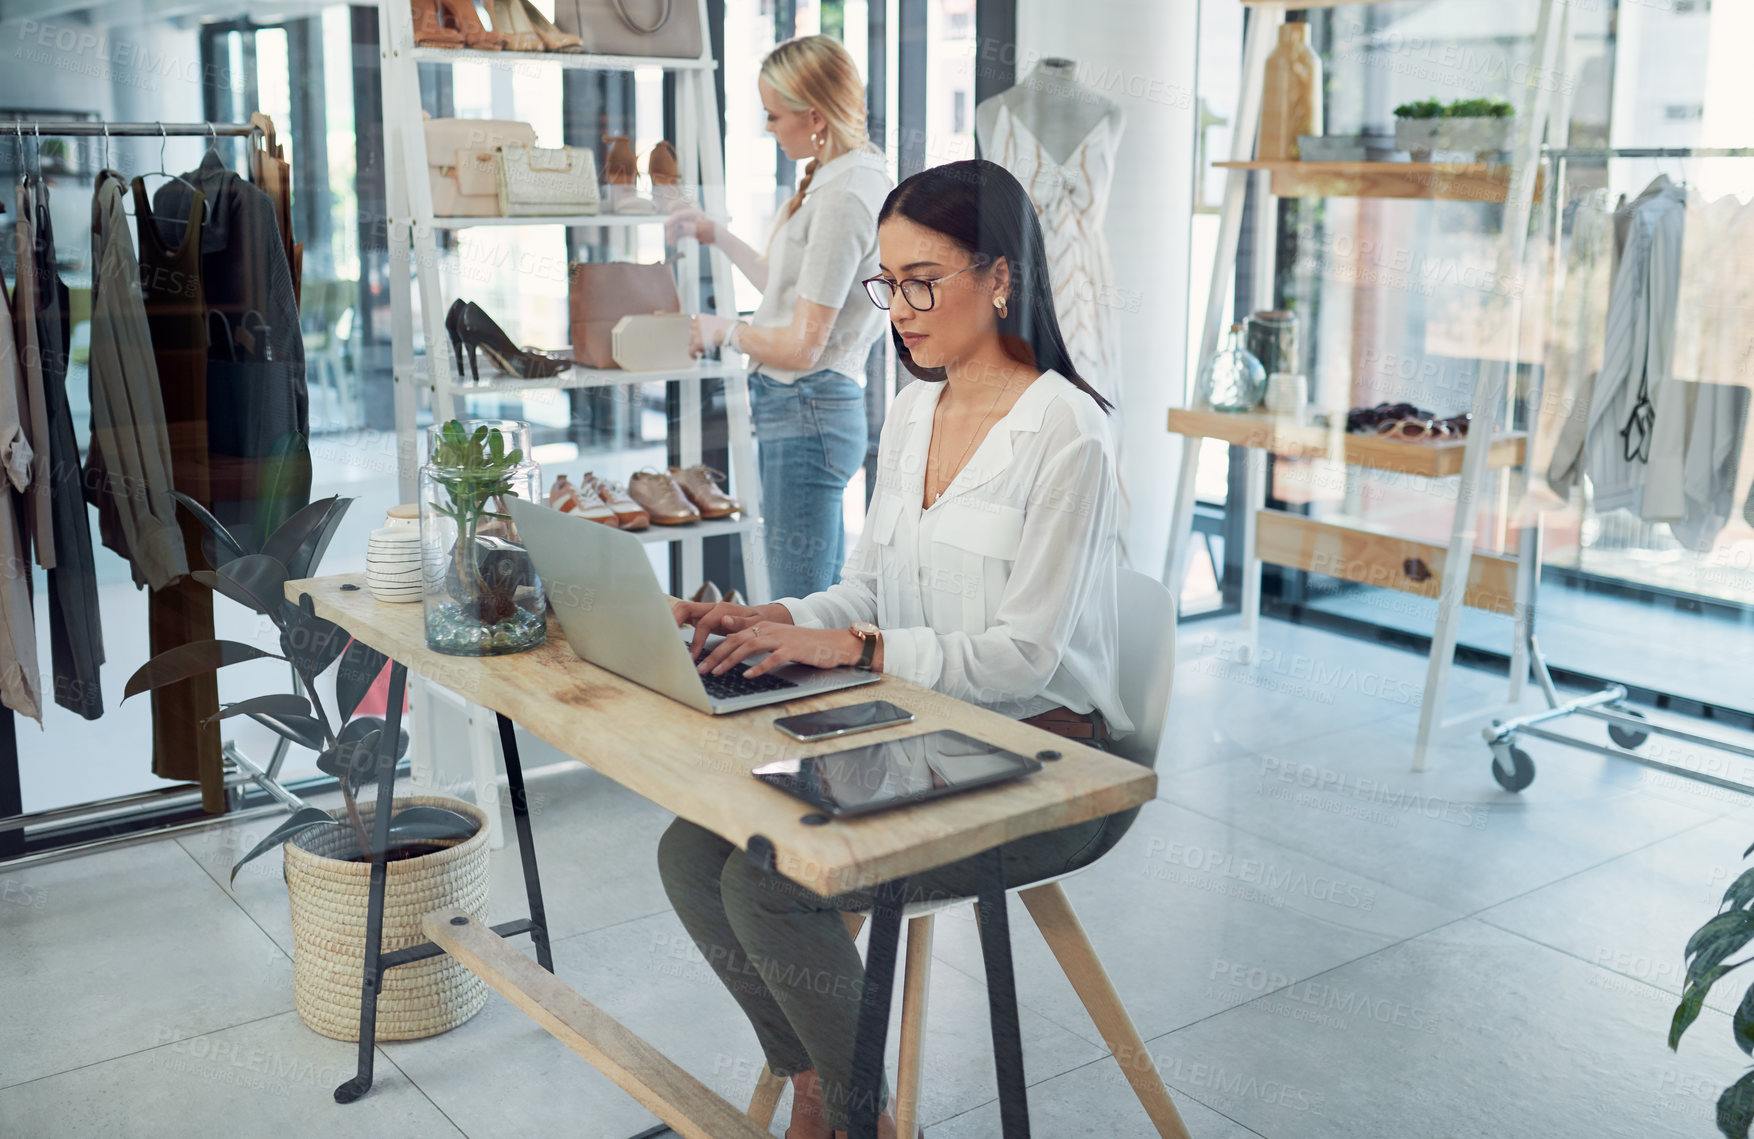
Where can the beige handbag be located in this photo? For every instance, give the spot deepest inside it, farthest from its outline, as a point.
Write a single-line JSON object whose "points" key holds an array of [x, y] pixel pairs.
{"points": [[600, 293], [463, 163], [653, 342], [669, 28], [536, 182]]}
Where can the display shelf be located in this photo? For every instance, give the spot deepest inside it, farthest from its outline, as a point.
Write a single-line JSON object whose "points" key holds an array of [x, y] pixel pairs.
{"points": [[607, 221], [1368, 555], [577, 377], [558, 59], [717, 528], [1308, 441], [1435, 181], [1295, 5]]}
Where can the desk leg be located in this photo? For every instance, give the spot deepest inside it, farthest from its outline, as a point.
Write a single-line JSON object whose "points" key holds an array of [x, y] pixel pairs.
{"points": [[873, 1030], [995, 934], [374, 917], [514, 776]]}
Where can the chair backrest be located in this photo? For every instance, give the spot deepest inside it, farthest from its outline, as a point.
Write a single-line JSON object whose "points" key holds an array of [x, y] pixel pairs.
{"points": [[1147, 662]]}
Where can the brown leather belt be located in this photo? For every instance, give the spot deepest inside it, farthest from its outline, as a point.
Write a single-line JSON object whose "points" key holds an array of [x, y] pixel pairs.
{"points": [[1063, 721]]}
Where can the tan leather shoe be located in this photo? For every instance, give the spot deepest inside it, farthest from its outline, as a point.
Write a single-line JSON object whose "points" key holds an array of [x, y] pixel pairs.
{"points": [[701, 486], [628, 513], [582, 500], [662, 499], [708, 594]]}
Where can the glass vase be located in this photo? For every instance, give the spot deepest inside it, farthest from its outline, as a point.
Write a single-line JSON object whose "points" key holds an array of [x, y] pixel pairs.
{"points": [[480, 592], [1232, 380]]}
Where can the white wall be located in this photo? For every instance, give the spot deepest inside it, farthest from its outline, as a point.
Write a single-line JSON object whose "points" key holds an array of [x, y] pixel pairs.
{"points": [[1141, 54]]}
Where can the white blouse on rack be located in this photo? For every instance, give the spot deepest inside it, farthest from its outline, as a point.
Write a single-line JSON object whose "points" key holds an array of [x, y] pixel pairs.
{"points": [[1003, 593]]}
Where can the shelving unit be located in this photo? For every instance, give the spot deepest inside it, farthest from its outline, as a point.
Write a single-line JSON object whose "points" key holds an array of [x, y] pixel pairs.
{"points": [[413, 231], [1455, 574], [1435, 181]]}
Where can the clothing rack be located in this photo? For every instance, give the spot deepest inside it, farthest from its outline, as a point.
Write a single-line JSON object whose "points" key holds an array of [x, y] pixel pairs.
{"points": [[15, 821], [1511, 766]]}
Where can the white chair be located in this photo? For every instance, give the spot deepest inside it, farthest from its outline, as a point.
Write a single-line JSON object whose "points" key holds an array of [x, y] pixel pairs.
{"points": [[1147, 658]]}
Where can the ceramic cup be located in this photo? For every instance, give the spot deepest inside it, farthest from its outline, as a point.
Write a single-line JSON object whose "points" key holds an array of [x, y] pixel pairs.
{"points": [[392, 563], [1287, 395], [403, 517]]}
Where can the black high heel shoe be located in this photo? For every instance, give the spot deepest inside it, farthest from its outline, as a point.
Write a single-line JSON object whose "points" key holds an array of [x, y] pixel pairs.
{"points": [[477, 330], [454, 326]]}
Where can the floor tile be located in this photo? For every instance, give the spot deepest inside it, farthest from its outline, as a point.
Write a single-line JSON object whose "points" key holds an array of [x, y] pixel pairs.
{"points": [[268, 1079], [1094, 1101], [648, 974], [1632, 916], [1449, 834], [113, 952], [1180, 906], [1464, 1031]]}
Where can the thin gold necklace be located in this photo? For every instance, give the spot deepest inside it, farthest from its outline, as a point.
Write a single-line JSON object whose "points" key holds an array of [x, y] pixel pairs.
{"points": [[932, 452]]}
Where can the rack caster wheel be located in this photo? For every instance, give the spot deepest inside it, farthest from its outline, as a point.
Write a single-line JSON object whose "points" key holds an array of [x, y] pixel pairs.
{"points": [[1627, 738], [1512, 767]]}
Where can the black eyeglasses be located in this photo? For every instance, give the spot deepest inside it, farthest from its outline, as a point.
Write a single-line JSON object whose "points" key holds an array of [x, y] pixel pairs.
{"points": [[917, 291]]}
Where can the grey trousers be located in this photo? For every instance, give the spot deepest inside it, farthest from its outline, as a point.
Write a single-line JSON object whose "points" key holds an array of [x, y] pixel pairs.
{"points": [[786, 956]]}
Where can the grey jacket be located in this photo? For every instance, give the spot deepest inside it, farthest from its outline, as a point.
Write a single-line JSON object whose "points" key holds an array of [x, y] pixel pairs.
{"points": [[128, 466]]}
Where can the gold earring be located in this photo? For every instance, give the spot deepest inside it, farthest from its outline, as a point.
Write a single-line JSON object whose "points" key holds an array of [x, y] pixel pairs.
{"points": [[999, 303]]}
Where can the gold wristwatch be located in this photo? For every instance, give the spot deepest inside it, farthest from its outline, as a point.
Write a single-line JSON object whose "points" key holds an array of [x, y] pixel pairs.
{"points": [[870, 636]]}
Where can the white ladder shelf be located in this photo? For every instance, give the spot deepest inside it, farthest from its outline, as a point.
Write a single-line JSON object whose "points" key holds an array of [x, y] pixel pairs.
{"points": [[412, 237]]}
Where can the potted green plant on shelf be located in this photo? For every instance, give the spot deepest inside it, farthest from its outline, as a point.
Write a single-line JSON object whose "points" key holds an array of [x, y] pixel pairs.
{"points": [[481, 595], [437, 852], [1480, 126], [1708, 956]]}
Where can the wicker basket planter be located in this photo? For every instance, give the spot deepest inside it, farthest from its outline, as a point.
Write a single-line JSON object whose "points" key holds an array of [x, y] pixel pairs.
{"points": [[329, 898]]}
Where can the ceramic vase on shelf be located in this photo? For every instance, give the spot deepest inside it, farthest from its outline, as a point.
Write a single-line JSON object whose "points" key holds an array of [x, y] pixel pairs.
{"points": [[1291, 95], [392, 563], [1232, 380], [481, 593]]}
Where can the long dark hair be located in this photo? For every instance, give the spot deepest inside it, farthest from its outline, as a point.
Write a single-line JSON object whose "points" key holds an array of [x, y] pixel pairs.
{"points": [[978, 205]]}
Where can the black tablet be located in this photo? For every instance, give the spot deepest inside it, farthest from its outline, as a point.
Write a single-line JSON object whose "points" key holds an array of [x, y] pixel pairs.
{"points": [[895, 773]]}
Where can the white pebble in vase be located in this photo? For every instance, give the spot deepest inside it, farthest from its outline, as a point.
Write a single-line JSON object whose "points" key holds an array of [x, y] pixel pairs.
{"points": [[392, 564]]}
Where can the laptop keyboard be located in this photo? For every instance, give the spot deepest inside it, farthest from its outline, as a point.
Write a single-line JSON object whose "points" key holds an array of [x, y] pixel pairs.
{"points": [[732, 684]]}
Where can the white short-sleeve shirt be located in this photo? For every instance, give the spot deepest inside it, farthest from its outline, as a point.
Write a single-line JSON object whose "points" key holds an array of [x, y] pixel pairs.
{"points": [[1002, 593], [821, 253]]}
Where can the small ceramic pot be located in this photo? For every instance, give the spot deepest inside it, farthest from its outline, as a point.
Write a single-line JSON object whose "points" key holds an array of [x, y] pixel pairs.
{"points": [[392, 563], [403, 517]]}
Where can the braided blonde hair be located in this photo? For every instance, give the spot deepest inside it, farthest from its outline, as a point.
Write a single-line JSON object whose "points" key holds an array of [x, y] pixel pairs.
{"points": [[818, 72]]}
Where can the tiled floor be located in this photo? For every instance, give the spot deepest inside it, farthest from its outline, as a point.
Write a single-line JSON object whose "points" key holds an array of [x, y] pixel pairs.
{"points": [[1314, 941]]}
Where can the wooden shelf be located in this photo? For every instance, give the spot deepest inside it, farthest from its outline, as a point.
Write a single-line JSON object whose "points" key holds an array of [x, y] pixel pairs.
{"points": [[577, 376], [607, 221], [1303, 441], [1294, 5], [1375, 557], [557, 59], [1436, 181]]}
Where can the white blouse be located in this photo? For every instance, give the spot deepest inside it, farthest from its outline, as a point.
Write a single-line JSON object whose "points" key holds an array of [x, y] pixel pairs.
{"points": [[1002, 593]]}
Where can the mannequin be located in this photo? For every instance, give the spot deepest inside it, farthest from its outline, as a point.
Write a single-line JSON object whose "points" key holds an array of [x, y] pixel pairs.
{"points": [[1059, 138]]}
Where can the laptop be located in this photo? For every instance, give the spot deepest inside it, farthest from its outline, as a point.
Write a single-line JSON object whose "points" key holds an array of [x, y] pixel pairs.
{"points": [[616, 616]]}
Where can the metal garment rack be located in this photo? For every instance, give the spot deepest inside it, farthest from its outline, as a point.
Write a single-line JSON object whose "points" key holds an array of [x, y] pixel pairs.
{"points": [[249, 772], [1511, 765]]}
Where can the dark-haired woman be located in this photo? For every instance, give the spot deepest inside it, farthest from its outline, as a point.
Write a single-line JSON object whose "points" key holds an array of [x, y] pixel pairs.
{"points": [[986, 571]]}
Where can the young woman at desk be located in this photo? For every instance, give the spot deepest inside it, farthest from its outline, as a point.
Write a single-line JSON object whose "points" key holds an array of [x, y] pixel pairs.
{"points": [[986, 571]]}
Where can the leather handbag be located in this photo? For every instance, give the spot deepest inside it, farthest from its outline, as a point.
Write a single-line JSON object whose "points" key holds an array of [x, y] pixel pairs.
{"points": [[462, 159], [669, 28], [653, 342], [537, 182], [600, 293]]}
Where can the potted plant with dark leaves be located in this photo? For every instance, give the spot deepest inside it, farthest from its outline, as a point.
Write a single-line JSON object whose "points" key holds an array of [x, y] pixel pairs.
{"points": [[1708, 956], [437, 851], [1480, 127]]}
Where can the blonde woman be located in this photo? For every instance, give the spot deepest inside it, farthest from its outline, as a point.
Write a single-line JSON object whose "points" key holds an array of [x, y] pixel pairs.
{"points": [[809, 338]]}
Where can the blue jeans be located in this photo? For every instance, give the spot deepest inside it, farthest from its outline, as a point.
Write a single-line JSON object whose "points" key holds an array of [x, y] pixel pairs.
{"points": [[812, 439]]}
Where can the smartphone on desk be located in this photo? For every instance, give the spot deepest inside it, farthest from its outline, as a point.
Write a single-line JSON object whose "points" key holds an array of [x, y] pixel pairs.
{"points": [[829, 722]]}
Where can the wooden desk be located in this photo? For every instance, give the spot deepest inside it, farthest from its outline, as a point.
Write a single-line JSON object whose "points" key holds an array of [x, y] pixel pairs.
{"points": [[697, 766]]}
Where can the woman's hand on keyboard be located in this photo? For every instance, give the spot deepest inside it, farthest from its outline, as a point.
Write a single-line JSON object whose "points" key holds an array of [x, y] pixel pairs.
{"points": [[721, 617], [783, 644]]}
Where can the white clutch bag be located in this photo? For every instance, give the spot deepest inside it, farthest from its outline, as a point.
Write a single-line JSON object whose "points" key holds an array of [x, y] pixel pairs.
{"points": [[462, 156], [537, 182], [655, 342]]}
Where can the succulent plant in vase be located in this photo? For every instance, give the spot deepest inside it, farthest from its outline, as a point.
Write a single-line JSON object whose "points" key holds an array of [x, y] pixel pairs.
{"points": [[482, 594]]}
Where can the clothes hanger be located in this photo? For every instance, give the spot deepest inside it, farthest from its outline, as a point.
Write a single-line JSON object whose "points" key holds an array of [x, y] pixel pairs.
{"points": [[206, 206]]}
